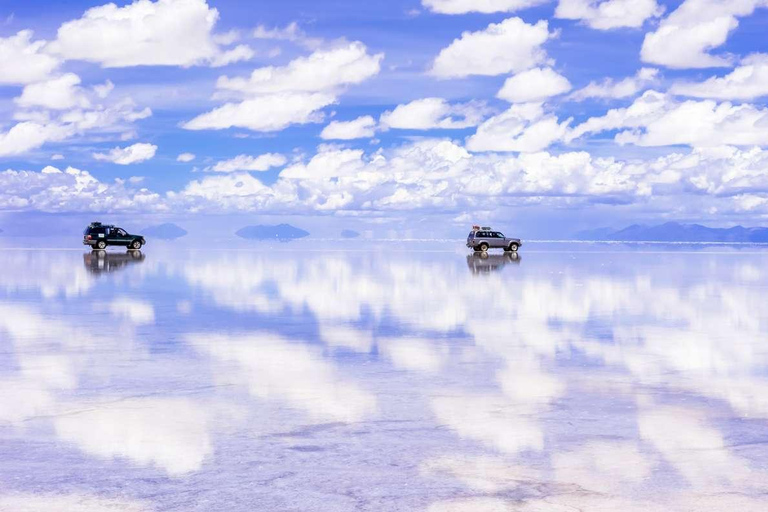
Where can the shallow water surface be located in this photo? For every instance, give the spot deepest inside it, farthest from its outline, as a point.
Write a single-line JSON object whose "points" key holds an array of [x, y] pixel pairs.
{"points": [[384, 378]]}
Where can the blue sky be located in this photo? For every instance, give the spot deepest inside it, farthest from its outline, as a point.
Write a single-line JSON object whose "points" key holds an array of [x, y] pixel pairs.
{"points": [[578, 112]]}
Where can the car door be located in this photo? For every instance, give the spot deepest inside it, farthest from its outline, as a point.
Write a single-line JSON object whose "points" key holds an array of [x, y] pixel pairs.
{"points": [[482, 236], [118, 236], [497, 240]]}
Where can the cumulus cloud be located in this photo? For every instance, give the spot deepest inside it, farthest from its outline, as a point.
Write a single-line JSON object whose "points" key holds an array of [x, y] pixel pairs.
{"points": [[509, 46], [525, 127], [276, 97], [484, 6], [37, 127], [657, 119], [146, 33], [58, 93], [291, 32], [685, 38], [53, 190], [609, 14], [136, 311], [323, 70], [425, 175], [746, 82], [268, 113], [534, 85], [185, 157], [611, 89], [168, 433], [136, 153], [28, 135], [24, 61], [430, 113], [364, 127], [249, 163]]}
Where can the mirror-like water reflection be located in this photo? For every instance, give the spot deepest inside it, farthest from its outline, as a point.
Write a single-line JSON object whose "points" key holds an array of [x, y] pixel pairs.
{"points": [[299, 379]]}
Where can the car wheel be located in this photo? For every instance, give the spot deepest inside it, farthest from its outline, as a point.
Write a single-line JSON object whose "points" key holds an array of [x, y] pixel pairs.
{"points": [[483, 247], [101, 245], [513, 247], [136, 245]]}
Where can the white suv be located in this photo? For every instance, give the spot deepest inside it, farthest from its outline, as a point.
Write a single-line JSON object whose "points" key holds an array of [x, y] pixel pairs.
{"points": [[482, 239]]}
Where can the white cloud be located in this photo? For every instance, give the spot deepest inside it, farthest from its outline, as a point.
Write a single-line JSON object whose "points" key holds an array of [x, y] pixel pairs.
{"points": [[656, 119], [426, 175], [609, 14], [145, 33], [292, 32], [38, 127], [103, 90], [60, 93], [57, 157], [272, 112], [509, 46], [364, 127], [323, 70], [239, 53], [249, 163], [54, 190], [746, 82], [430, 113], [272, 368], [484, 6], [185, 157], [624, 88], [524, 127], [28, 135], [277, 97], [24, 61], [534, 85], [137, 311], [171, 434], [684, 39], [136, 153]]}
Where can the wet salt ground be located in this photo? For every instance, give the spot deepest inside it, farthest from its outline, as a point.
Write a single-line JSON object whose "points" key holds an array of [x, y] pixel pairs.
{"points": [[295, 378]]}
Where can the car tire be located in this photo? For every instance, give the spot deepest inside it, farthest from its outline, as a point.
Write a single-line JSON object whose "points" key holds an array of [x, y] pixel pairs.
{"points": [[483, 247], [513, 247], [135, 245], [101, 245]]}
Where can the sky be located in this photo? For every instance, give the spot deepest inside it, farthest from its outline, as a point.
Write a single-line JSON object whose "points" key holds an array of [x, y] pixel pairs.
{"points": [[548, 116]]}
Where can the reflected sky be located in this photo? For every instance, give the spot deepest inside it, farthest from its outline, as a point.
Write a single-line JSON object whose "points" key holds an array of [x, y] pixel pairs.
{"points": [[297, 378]]}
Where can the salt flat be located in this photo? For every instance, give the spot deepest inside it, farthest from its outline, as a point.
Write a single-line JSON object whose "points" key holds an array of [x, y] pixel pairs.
{"points": [[384, 377]]}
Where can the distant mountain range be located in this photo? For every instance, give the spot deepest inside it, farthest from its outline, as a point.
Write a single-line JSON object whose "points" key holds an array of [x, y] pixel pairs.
{"points": [[676, 232], [167, 231], [349, 233], [279, 232]]}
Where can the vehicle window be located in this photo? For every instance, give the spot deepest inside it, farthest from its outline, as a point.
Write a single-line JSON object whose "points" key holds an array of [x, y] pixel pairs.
{"points": [[471, 234], [121, 232], [500, 235]]}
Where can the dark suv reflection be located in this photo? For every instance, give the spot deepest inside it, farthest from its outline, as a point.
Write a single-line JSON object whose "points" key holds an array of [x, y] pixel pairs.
{"points": [[100, 262], [484, 263]]}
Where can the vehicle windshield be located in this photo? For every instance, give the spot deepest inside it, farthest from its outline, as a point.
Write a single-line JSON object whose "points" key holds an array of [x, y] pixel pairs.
{"points": [[500, 235]]}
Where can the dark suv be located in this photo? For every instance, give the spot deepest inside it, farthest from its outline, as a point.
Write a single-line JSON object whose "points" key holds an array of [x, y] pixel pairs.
{"points": [[482, 239], [99, 236]]}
